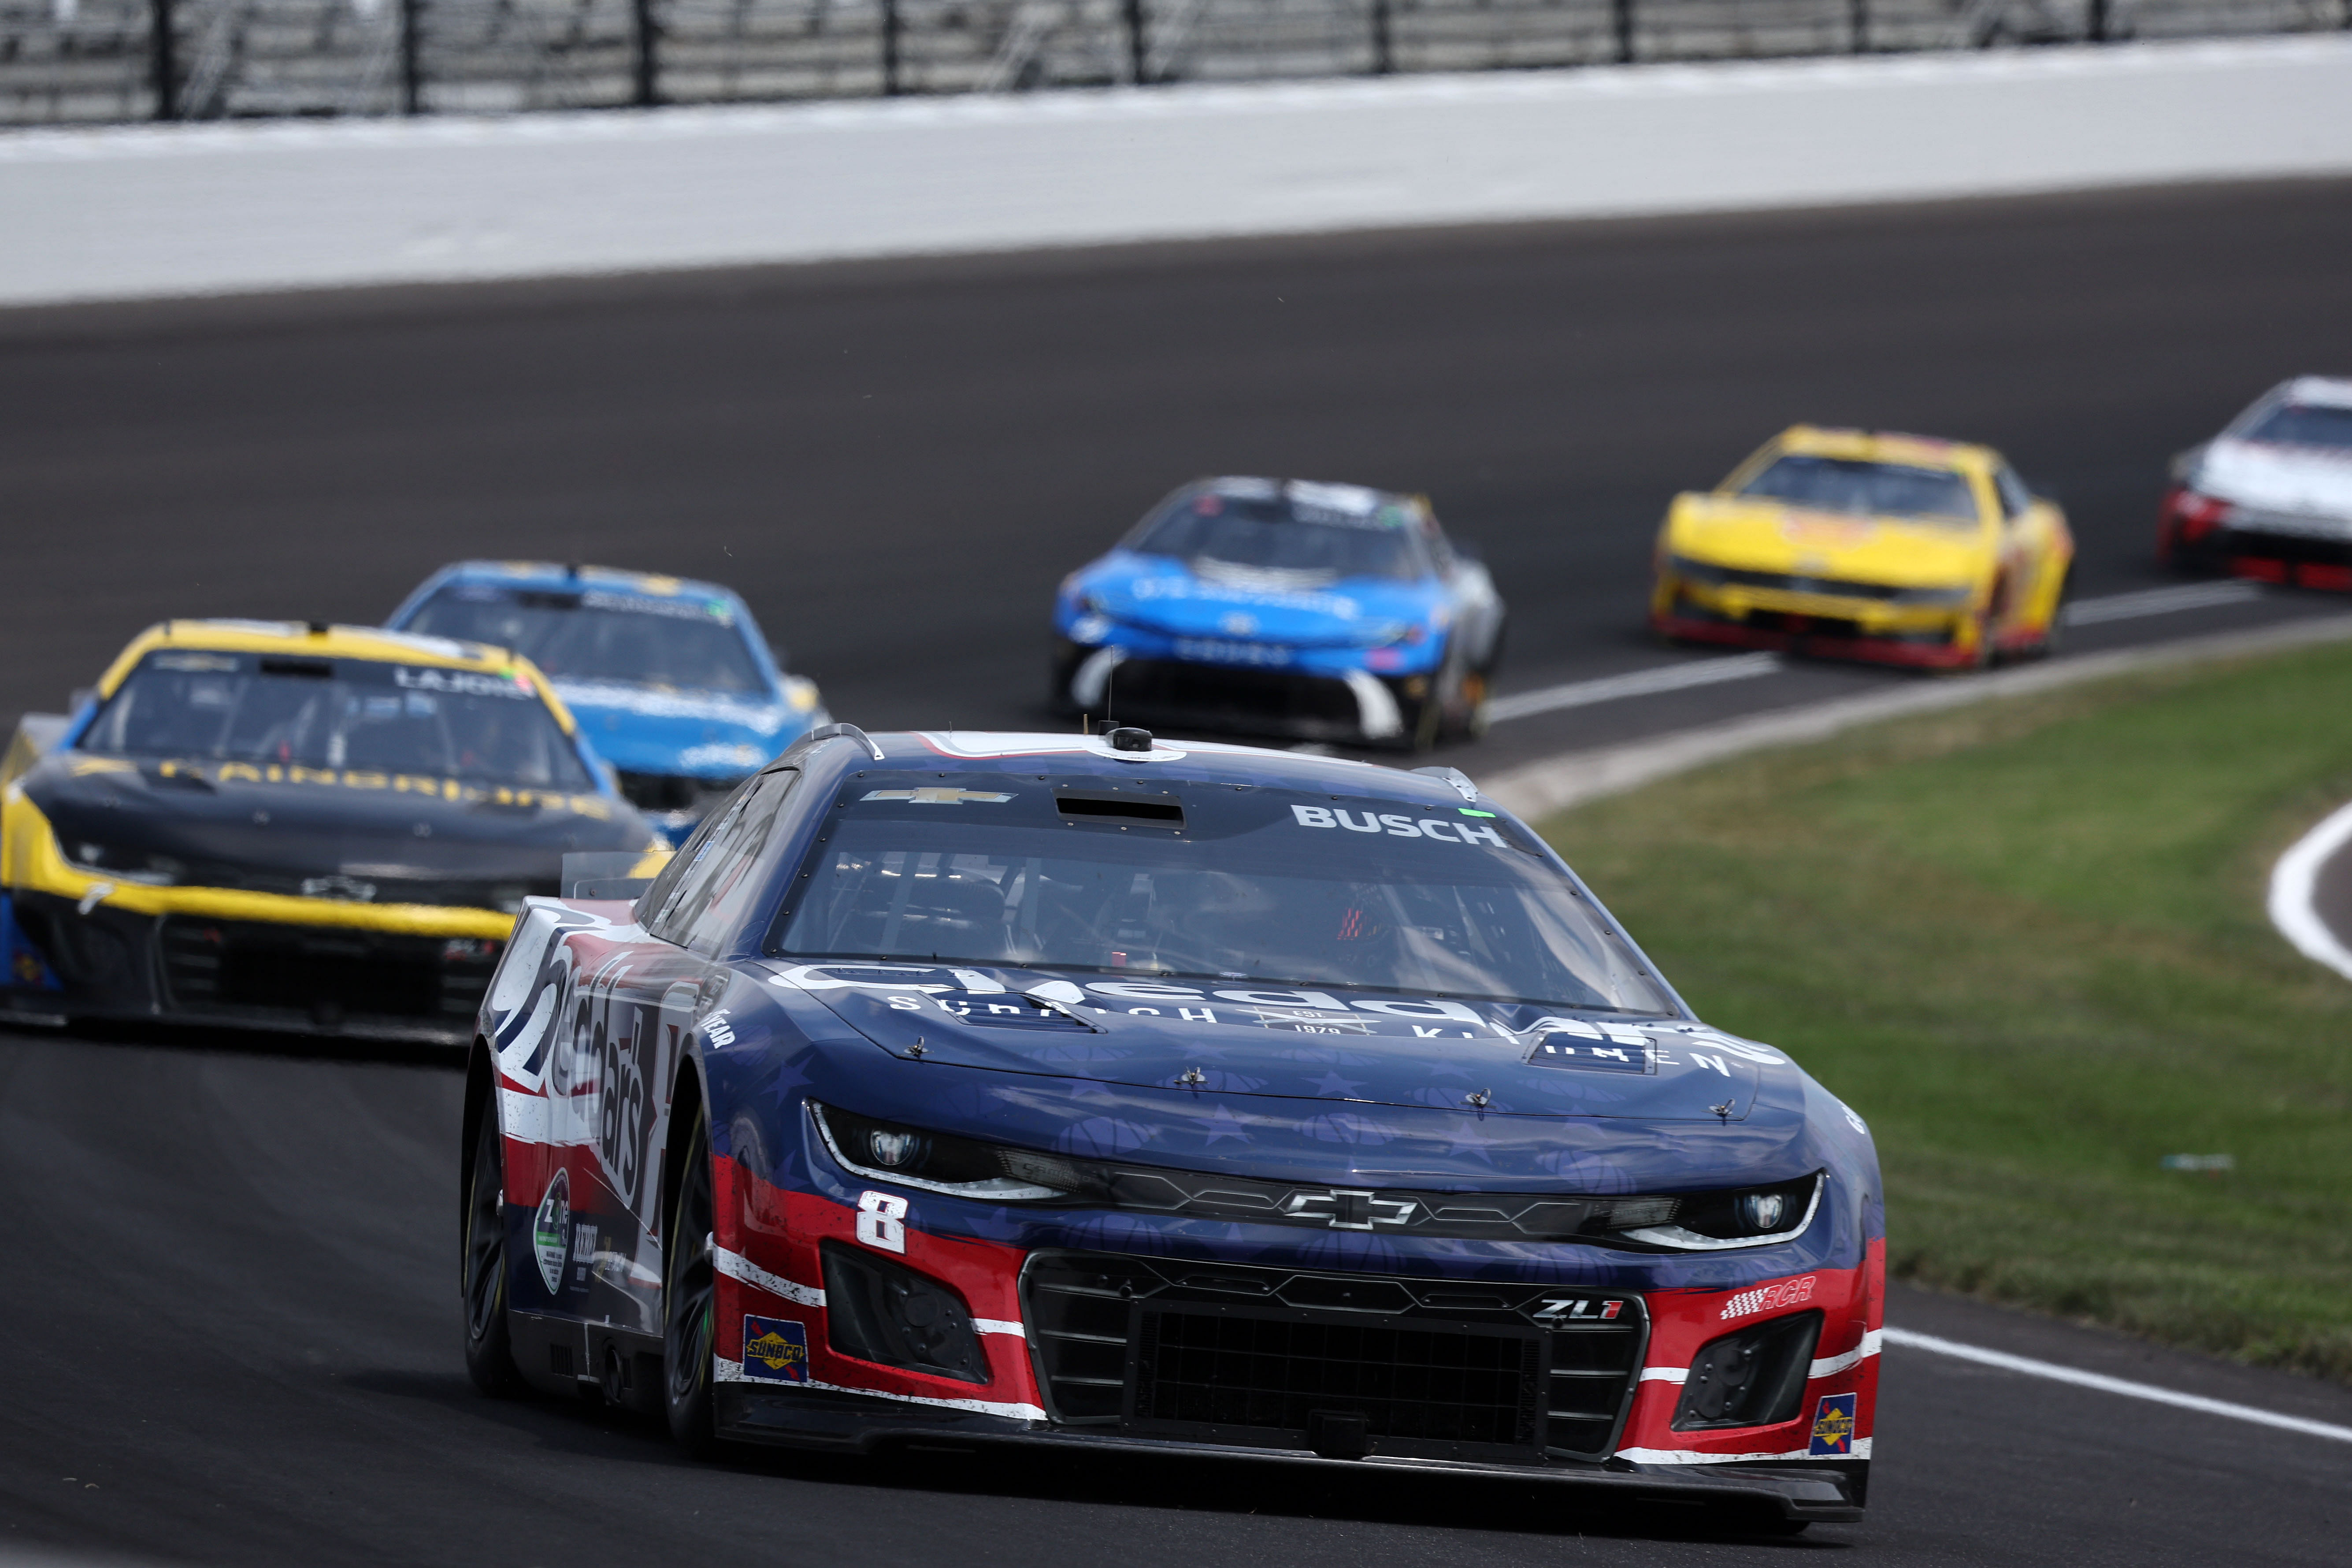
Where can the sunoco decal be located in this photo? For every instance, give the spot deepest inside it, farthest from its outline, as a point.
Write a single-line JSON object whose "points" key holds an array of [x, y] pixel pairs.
{"points": [[1832, 1426], [775, 1350], [551, 1232]]}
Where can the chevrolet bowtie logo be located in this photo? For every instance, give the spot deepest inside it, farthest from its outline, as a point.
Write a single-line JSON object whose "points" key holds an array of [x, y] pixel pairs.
{"points": [[1348, 1210]]}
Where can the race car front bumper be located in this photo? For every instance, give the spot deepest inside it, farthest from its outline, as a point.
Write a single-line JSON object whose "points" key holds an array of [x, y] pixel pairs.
{"points": [[1829, 1492], [191, 967], [2309, 552], [1310, 703], [1597, 1384]]}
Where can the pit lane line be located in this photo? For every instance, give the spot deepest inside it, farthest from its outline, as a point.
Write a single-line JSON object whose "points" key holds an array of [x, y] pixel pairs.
{"points": [[2106, 1385], [1748, 665]]}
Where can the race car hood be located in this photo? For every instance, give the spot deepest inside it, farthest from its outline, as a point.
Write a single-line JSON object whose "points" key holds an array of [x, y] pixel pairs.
{"points": [[702, 734], [1171, 598], [352, 834], [1339, 1049], [2306, 481], [1759, 535]]}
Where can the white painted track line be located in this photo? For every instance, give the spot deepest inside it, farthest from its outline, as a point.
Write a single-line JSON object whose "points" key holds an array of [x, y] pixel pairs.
{"points": [[2295, 882], [1747, 666], [2158, 601], [1639, 683], [2106, 1385]]}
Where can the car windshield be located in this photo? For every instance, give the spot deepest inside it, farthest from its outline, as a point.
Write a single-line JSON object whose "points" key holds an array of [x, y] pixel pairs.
{"points": [[2305, 424], [1207, 881], [674, 644], [338, 713], [1310, 533], [1867, 489]]}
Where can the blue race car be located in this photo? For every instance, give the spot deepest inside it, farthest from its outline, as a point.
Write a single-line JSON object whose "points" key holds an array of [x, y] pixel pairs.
{"points": [[669, 679], [1273, 607], [1167, 1097]]}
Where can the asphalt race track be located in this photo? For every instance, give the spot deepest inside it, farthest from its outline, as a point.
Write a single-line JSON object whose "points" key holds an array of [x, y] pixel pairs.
{"points": [[229, 1298]]}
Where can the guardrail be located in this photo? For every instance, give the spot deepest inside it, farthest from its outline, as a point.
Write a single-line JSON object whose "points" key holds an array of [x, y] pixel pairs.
{"points": [[88, 61]]}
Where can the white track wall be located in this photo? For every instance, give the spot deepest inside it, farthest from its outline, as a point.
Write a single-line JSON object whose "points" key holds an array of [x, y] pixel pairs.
{"points": [[145, 211]]}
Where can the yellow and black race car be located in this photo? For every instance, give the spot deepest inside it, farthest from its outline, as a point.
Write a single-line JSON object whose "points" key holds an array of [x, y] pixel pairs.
{"points": [[280, 826], [1898, 549]]}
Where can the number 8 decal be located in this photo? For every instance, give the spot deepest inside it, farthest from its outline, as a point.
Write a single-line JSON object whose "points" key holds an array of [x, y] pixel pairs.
{"points": [[882, 1221]]}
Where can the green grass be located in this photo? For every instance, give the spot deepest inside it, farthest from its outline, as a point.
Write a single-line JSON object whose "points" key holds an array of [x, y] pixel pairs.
{"points": [[2026, 941]]}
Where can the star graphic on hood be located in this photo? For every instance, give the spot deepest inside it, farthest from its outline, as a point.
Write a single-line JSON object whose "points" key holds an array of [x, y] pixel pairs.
{"points": [[1333, 1084], [1220, 1123]]}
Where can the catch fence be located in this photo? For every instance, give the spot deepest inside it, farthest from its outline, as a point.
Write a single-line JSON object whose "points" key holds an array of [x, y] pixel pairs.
{"points": [[85, 61]]}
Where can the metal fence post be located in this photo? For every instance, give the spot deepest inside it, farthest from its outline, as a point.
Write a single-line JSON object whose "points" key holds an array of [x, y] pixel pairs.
{"points": [[1858, 24], [412, 57], [2095, 25], [890, 49], [1383, 62], [645, 46], [160, 60], [1622, 14], [1135, 41]]}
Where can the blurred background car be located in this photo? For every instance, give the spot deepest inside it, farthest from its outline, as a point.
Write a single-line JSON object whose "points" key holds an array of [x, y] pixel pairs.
{"points": [[272, 826], [2271, 496], [670, 679], [1327, 612], [1899, 548]]}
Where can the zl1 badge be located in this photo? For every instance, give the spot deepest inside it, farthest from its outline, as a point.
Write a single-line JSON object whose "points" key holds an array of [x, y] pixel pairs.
{"points": [[775, 1350], [1832, 1426]]}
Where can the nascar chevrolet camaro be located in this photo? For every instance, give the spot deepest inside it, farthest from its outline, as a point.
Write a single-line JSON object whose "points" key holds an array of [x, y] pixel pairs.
{"points": [[2271, 496], [1275, 606], [273, 826], [1171, 1097], [670, 679], [1898, 549]]}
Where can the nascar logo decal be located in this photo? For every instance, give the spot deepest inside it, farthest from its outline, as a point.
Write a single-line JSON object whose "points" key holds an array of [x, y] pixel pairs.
{"points": [[1832, 1426], [775, 1350], [1788, 1293]]}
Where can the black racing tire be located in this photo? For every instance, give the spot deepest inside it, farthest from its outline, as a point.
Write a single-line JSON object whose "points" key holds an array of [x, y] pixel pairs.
{"points": [[690, 1298], [482, 1262]]}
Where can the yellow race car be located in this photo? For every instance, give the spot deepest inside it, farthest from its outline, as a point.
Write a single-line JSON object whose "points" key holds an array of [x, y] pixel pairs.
{"points": [[1858, 544], [320, 828]]}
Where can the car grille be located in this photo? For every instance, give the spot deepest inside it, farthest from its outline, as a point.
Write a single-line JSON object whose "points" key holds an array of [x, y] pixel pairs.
{"points": [[1231, 691], [1247, 1355], [1837, 587], [2251, 538], [230, 965]]}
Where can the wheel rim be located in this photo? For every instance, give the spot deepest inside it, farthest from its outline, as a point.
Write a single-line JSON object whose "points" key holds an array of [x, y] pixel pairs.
{"points": [[688, 1296], [485, 1234]]}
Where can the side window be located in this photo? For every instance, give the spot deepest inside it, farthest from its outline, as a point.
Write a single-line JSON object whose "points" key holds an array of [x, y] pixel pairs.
{"points": [[710, 898], [663, 889], [2014, 497]]}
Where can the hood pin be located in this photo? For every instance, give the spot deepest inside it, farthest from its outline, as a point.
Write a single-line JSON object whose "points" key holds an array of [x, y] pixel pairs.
{"points": [[1481, 1098], [1726, 1108], [916, 1050], [1192, 1078]]}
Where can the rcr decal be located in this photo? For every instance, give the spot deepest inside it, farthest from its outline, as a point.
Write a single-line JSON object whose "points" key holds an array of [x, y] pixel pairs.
{"points": [[1397, 825], [882, 1221], [1788, 1293]]}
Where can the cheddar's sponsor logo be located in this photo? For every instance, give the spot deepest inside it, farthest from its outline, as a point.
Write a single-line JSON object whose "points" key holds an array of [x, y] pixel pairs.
{"points": [[425, 785]]}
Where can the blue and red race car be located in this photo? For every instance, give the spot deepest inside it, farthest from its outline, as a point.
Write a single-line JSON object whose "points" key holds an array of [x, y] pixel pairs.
{"points": [[1277, 606], [1098, 1090]]}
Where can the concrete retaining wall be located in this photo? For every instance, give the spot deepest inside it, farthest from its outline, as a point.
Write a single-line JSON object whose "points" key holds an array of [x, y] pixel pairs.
{"points": [[141, 211]]}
